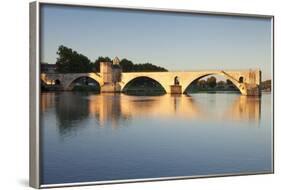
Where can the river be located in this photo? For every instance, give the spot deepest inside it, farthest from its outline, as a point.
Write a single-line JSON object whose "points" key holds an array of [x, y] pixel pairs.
{"points": [[96, 137]]}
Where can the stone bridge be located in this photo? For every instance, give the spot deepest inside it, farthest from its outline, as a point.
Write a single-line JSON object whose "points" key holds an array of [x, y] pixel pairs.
{"points": [[112, 79]]}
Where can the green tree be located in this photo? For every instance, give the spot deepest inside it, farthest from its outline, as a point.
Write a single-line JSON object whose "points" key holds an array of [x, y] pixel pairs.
{"points": [[70, 61], [221, 84], [147, 67], [212, 81], [229, 82], [127, 65], [201, 83]]}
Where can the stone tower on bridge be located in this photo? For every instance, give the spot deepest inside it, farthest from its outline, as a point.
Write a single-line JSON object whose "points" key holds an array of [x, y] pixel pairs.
{"points": [[111, 75]]}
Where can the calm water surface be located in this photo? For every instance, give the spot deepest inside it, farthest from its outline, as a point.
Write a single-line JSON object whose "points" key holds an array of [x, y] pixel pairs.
{"points": [[96, 137]]}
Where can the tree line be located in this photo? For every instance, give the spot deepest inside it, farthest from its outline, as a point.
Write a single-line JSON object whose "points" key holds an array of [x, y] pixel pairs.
{"points": [[70, 61], [211, 83]]}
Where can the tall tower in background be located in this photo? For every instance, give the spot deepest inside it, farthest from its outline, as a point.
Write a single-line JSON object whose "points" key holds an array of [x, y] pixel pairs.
{"points": [[116, 61], [106, 72]]}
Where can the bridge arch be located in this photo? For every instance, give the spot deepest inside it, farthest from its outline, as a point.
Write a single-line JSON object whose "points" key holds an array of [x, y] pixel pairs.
{"points": [[154, 82], [237, 83], [71, 83], [57, 82]]}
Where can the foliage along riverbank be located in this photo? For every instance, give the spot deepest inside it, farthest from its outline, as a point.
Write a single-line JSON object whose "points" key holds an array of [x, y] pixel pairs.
{"points": [[70, 61]]}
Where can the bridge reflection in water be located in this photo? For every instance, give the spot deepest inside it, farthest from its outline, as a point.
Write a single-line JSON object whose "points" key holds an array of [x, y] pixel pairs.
{"points": [[245, 108], [71, 107]]}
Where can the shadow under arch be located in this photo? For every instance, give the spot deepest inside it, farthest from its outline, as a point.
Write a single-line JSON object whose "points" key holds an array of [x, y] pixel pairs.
{"points": [[43, 83], [236, 84], [53, 85], [143, 85], [84, 83]]}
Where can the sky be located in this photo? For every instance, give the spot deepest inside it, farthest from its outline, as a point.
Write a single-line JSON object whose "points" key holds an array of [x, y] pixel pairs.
{"points": [[176, 41]]}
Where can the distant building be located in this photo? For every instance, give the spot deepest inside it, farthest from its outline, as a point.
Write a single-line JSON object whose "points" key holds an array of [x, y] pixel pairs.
{"points": [[48, 68], [266, 86]]}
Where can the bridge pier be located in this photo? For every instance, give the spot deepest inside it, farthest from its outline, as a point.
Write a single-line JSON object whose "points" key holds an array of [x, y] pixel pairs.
{"points": [[175, 89], [253, 90], [110, 88]]}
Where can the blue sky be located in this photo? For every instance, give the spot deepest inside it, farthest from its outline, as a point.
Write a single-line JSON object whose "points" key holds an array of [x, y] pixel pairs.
{"points": [[175, 41]]}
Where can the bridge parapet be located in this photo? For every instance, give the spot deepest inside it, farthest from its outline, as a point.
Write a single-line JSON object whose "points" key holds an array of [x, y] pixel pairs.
{"points": [[113, 80]]}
